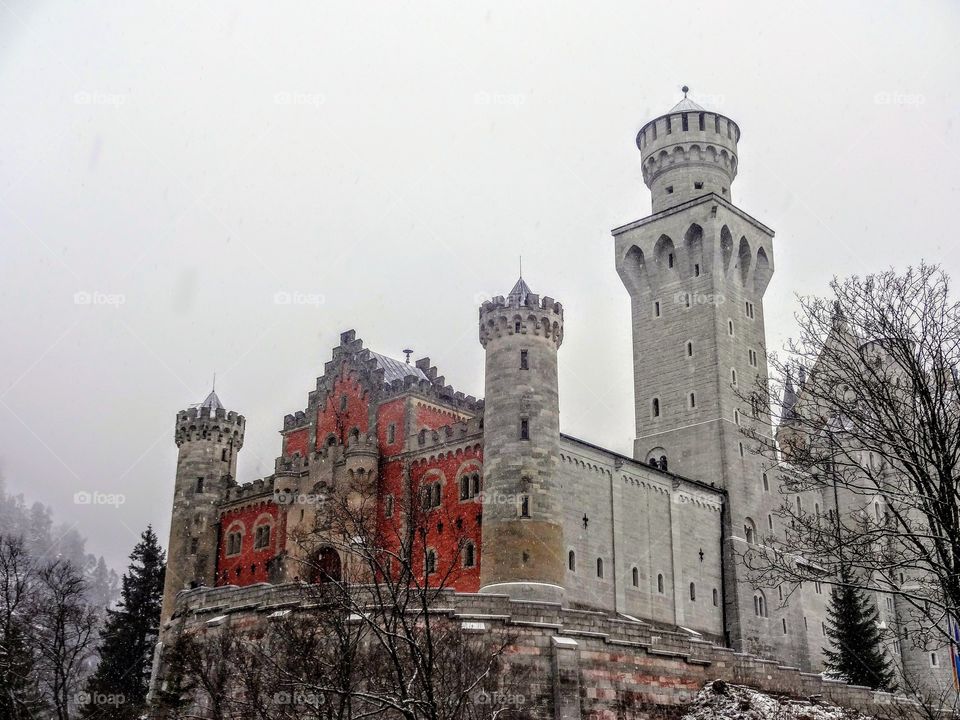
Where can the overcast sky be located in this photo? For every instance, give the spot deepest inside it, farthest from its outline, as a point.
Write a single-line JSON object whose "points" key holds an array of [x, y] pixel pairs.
{"points": [[179, 164]]}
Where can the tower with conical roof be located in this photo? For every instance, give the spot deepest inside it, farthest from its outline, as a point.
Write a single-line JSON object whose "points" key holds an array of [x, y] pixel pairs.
{"points": [[522, 543], [696, 270], [208, 437]]}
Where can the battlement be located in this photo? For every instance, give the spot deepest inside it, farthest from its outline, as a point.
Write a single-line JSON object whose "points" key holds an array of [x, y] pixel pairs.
{"points": [[202, 424], [295, 421], [363, 444], [428, 439], [687, 153], [529, 314], [255, 489]]}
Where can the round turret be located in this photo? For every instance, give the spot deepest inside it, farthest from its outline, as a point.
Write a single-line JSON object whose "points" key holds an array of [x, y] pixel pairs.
{"points": [[522, 551], [688, 152], [209, 438]]}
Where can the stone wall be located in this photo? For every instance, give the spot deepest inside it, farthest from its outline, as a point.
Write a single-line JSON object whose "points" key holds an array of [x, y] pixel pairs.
{"points": [[584, 664]]}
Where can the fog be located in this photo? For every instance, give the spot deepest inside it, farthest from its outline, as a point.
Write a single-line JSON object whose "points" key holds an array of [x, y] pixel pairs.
{"points": [[172, 173]]}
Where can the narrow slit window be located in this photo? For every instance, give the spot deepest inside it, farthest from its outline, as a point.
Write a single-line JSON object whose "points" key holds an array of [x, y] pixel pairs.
{"points": [[524, 429]]}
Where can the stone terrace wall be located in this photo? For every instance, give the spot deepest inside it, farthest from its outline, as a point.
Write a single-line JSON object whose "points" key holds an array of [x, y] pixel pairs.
{"points": [[585, 664]]}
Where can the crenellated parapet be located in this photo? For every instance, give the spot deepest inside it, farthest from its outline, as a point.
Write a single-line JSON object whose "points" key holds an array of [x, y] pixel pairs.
{"points": [[688, 152], [255, 489], [428, 440], [526, 314], [205, 423]]}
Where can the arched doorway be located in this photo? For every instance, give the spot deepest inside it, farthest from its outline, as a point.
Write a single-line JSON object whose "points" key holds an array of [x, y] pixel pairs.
{"points": [[326, 566]]}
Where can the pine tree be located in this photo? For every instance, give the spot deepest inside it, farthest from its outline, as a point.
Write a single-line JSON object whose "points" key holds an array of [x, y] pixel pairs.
{"points": [[856, 653], [130, 634]]}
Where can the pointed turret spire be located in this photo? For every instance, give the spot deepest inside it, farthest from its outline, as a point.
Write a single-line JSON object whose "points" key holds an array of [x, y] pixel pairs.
{"points": [[788, 411], [520, 291]]}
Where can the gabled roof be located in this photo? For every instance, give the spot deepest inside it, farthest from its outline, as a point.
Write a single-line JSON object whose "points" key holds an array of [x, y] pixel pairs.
{"points": [[396, 369]]}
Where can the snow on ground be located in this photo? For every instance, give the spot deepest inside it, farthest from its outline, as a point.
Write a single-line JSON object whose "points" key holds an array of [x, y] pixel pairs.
{"points": [[721, 701]]}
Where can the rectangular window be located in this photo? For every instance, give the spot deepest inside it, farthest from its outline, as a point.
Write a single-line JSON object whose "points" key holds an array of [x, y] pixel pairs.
{"points": [[696, 270], [669, 189], [698, 186], [525, 506], [684, 122], [524, 429], [343, 403], [388, 506], [223, 455], [194, 545], [199, 485], [391, 433], [523, 360], [656, 308]]}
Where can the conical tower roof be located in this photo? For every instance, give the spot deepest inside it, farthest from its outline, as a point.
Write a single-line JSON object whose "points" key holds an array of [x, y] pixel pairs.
{"points": [[212, 402], [520, 291]]}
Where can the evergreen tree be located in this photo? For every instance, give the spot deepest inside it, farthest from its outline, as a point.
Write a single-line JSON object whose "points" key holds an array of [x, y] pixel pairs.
{"points": [[856, 653], [130, 633]]}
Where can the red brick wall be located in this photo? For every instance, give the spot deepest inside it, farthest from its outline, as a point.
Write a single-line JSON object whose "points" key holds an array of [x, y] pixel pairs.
{"points": [[443, 533], [330, 418], [249, 557], [393, 413], [431, 418], [296, 441]]}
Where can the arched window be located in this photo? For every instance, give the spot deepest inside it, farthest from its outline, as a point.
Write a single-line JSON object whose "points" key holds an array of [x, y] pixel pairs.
{"points": [[469, 555], [599, 567], [660, 584], [431, 562], [716, 598], [261, 537], [750, 531], [760, 605], [663, 462], [465, 487], [693, 591], [572, 561], [636, 577]]}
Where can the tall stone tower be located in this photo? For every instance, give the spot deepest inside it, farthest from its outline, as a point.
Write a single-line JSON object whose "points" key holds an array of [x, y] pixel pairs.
{"points": [[696, 270], [209, 439], [522, 543]]}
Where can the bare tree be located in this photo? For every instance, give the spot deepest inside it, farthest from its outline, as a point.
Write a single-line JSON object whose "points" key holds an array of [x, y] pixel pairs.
{"points": [[64, 631], [373, 636], [20, 696], [868, 414]]}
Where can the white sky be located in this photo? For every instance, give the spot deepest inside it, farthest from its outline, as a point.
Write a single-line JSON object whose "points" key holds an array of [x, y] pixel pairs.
{"points": [[395, 159]]}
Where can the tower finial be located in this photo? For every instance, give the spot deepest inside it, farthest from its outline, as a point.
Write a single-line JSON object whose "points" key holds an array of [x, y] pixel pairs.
{"points": [[214, 388], [521, 266], [685, 90]]}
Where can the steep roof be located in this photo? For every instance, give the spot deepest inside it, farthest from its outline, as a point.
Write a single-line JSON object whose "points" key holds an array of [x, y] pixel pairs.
{"points": [[212, 402], [396, 369], [521, 290]]}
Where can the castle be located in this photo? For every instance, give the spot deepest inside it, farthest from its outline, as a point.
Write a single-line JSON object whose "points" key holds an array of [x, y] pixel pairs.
{"points": [[541, 516]]}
